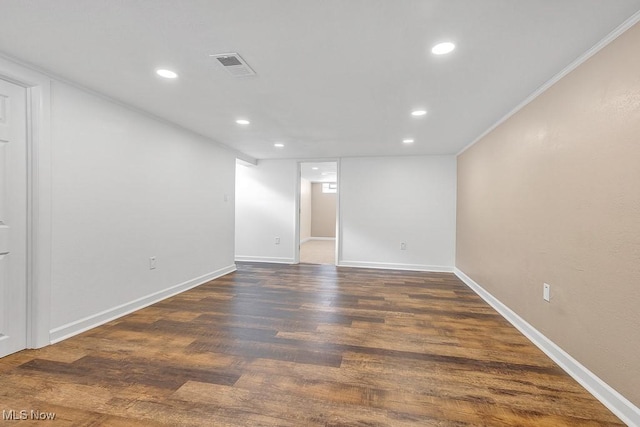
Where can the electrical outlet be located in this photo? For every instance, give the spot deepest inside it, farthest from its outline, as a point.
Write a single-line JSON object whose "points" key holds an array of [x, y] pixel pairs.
{"points": [[403, 246], [277, 240], [152, 263], [546, 292]]}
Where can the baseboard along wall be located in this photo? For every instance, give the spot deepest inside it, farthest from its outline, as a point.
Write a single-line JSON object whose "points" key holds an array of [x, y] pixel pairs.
{"points": [[275, 260], [396, 266], [617, 403], [74, 328]]}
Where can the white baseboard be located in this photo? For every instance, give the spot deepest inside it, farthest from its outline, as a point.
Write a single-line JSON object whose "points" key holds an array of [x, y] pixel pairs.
{"points": [[396, 266], [308, 239], [618, 404], [74, 328], [275, 260]]}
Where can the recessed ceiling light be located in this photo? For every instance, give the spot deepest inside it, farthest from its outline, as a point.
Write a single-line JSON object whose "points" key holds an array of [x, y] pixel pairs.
{"points": [[314, 168], [443, 48], [167, 74], [278, 145], [418, 113], [243, 121], [408, 141]]}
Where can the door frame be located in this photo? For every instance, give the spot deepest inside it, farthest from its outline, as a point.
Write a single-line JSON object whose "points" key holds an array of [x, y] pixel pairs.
{"points": [[338, 250], [39, 196]]}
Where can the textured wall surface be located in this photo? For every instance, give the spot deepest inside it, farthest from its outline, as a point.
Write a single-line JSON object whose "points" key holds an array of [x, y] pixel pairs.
{"points": [[553, 195], [323, 208]]}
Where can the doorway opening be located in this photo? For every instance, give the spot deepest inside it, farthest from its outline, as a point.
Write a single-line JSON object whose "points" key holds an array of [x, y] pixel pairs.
{"points": [[318, 212]]}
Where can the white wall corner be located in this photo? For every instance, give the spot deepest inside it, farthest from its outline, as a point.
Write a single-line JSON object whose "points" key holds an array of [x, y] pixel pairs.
{"points": [[617, 403], [34, 69], [617, 32], [74, 328]]}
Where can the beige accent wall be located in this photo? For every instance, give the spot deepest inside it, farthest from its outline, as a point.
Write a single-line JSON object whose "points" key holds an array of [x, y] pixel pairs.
{"points": [[323, 212], [305, 209], [553, 195]]}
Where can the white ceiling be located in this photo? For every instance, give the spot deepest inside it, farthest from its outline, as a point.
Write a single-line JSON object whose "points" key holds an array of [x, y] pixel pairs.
{"points": [[319, 171], [334, 77]]}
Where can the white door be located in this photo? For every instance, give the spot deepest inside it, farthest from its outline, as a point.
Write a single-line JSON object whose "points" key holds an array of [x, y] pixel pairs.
{"points": [[13, 218]]}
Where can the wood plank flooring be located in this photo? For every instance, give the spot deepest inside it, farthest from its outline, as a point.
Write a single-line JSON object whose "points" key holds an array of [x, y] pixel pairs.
{"points": [[306, 345]]}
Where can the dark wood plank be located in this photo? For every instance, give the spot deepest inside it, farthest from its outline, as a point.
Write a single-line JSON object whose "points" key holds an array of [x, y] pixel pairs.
{"points": [[276, 345]]}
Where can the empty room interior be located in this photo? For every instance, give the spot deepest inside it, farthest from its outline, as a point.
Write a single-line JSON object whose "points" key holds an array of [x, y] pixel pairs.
{"points": [[320, 213]]}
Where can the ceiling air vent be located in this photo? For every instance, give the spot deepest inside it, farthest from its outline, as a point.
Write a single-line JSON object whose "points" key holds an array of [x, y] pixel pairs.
{"points": [[234, 64]]}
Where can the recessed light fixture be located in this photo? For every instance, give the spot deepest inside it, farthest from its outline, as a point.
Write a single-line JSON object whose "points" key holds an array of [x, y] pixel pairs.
{"points": [[167, 74], [408, 141], [278, 145], [243, 121], [443, 48], [418, 113], [314, 168]]}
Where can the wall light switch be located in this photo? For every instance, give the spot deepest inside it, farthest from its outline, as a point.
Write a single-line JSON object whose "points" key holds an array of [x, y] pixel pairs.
{"points": [[546, 292], [277, 240]]}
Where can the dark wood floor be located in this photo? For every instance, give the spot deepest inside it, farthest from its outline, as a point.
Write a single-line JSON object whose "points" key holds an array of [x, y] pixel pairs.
{"points": [[303, 345]]}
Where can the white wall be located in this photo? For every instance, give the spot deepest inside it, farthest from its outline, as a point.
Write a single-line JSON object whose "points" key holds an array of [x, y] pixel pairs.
{"points": [[266, 209], [383, 201], [127, 187], [305, 210], [386, 201]]}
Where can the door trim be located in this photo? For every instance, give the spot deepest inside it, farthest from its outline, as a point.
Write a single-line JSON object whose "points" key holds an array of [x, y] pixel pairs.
{"points": [[39, 196], [338, 250]]}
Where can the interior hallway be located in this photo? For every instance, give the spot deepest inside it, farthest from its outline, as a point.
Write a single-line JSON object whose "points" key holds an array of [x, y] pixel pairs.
{"points": [[318, 252]]}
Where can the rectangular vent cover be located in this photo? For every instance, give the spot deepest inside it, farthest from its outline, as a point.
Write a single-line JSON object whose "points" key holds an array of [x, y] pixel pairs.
{"points": [[234, 64]]}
